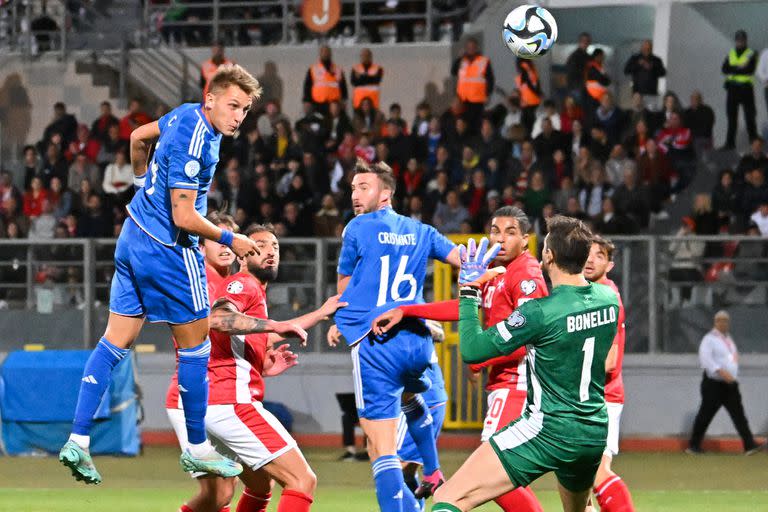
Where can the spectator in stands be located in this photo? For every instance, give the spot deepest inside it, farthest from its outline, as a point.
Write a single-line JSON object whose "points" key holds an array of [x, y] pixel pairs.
{"points": [[100, 127], [725, 197], [562, 196], [686, 254], [578, 139], [399, 145], [325, 82], [95, 222], [63, 123], [536, 195], [210, 66], [574, 209], [599, 145], [638, 112], [133, 119], [514, 114], [368, 119], [327, 218], [60, 199], [610, 118], [635, 143], [739, 69], [755, 191], [760, 218], [582, 166], [34, 198], [592, 192], [474, 82], [110, 146], [475, 195], [570, 112], [576, 68], [31, 165], [632, 198], [612, 222], [84, 144], [396, 116], [704, 217], [754, 159], [645, 68], [616, 165], [118, 180], [53, 165], [561, 168], [548, 141], [653, 165], [81, 169], [450, 214], [719, 359], [413, 178], [271, 116], [421, 131], [549, 112], [700, 119], [489, 145], [597, 79], [529, 86], [9, 195], [41, 226], [293, 221], [337, 126], [366, 80], [675, 141], [522, 168]]}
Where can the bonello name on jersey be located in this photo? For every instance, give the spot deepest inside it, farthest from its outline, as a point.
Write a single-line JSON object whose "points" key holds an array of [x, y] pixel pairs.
{"points": [[591, 319], [397, 238]]}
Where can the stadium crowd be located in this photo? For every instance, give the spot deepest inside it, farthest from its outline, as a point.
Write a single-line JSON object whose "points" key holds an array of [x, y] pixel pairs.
{"points": [[583, 156]]}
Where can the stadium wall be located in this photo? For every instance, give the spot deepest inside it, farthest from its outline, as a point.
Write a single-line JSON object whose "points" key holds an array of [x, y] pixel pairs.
{"points": [[662, 393]]}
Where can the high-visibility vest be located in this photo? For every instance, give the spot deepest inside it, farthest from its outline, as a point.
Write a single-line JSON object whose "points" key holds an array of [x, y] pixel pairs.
{"points": [[594, 88], [528, 97], [325, 84], [471, 86], [736, 60], [208, 69], [366, 91]]}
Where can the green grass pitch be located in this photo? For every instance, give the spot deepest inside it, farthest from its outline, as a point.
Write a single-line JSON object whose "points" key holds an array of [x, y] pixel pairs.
{"points": [[153, 482]]}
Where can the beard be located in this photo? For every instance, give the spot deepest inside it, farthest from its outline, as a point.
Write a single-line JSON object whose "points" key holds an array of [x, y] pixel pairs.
{"points": [[263, 274]]}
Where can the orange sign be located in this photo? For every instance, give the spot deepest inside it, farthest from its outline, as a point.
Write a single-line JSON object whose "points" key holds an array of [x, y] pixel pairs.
{"points": [[321, 15]]}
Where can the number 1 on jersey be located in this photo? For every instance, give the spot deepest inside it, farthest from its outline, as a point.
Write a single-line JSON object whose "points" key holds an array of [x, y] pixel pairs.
{"points": [[586, 368], [400, 277]]}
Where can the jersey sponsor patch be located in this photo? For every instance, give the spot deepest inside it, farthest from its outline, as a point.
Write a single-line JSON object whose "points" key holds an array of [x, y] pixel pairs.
{"points": [[528, 286], [516, 320], [192, 168], [235, 287]]}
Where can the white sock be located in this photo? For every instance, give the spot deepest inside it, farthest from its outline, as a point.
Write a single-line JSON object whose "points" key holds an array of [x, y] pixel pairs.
{"points": [[200, 450], [82, 441]]}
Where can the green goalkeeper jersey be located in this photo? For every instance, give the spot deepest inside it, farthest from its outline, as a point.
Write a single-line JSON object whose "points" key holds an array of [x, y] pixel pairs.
{"points": [[567, 337]]}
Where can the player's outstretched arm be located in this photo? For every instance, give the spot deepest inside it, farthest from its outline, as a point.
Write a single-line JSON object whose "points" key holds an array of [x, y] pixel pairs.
{"points": [[227, 319], [475, 345], [443, 311], [186, 217], [310, 320]]}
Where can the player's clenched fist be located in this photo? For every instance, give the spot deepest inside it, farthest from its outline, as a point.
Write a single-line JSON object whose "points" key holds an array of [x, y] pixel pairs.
{"points": [[243, 246], [386, 321]]}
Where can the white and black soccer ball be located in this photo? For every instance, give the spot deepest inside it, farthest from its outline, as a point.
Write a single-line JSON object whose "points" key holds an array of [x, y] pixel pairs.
{"points": [[529, 31]]}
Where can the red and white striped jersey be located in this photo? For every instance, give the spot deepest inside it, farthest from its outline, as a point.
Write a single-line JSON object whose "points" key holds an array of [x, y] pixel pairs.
{"points": [[237, 361], [521, 282], [614, 383], [214, 280]]}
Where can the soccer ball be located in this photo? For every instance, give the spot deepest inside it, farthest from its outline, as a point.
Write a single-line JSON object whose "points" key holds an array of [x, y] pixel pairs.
{"points": [[529, 31]]}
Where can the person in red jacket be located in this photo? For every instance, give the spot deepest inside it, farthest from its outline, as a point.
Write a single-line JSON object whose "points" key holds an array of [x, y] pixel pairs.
{"points": [[34, 198], [611, 491], [133, 119], [522, 281]]}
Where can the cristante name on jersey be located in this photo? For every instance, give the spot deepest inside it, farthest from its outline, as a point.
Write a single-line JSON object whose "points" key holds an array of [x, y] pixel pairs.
{"points": [[591, 320], [390, 238]]}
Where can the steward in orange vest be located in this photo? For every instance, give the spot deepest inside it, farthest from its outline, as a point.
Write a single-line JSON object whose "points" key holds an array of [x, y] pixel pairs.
{"points": [[209, 67], [596, 80], [474, 75], [324, 82], [366, 79]]}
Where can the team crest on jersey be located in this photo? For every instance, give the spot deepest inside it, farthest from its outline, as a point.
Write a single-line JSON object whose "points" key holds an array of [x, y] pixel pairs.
{"points": [[235, 287], [516, 320], [191, 168], [528, 286]]}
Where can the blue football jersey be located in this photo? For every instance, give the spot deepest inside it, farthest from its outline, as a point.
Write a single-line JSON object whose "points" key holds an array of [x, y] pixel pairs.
{"points": [[386, 254], [185, 157]]}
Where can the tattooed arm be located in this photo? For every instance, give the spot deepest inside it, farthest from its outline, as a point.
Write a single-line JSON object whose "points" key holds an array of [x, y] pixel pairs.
{"points": [[227, 319]]}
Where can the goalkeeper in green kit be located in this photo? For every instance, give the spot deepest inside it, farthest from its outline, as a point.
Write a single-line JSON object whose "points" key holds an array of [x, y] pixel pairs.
{"points": [[567, 337]]}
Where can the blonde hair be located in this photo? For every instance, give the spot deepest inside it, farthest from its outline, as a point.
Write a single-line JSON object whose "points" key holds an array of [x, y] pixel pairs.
{"points": [[234, 74]]}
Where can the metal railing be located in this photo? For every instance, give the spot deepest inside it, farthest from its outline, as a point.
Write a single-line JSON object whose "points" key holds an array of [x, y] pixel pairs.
{"points": [[204, 22], [56, 291]]}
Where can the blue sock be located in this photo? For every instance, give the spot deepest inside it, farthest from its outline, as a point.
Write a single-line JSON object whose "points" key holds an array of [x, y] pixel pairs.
{"points": [[193, 388], [388, 477], [96, 378], [420, 426], [409, 501]]}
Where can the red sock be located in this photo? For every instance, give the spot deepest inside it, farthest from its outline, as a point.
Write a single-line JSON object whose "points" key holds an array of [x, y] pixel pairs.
{"points": [[521, 499], [613, 496], [185, 508], [250, 501], [294, 501]]}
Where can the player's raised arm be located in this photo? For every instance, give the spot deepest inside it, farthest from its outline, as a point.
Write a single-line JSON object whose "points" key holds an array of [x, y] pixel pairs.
{"points": [[227, 319], [310, 320]]}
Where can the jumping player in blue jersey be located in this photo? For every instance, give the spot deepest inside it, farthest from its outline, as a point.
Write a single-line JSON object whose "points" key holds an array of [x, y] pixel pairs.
{"points": [[159, 270], [382, 265]]}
